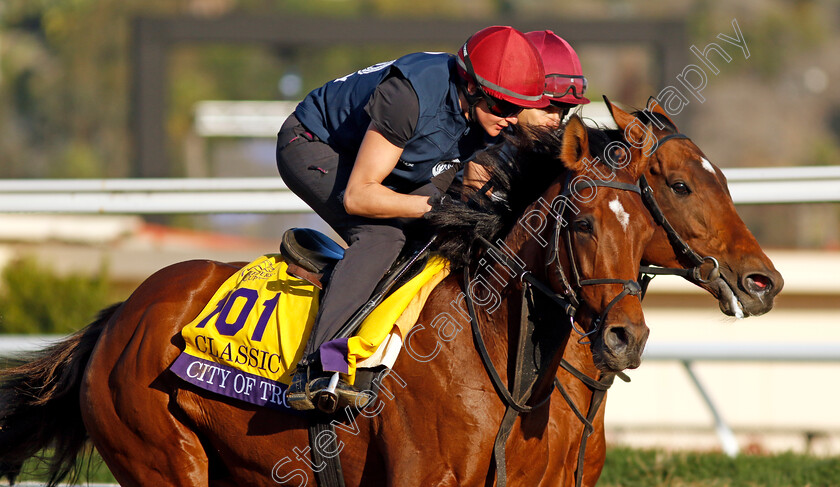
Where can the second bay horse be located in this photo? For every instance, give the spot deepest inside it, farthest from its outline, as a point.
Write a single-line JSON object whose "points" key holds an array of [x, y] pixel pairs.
{"points": [[694, 199]]}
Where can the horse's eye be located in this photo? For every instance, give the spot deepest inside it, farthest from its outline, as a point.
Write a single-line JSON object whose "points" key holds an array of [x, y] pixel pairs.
{"points": [[680, 188], [583, 226]]}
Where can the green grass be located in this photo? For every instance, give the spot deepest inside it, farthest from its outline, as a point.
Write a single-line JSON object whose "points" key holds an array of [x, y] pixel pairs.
{"points": [[627, 467], [91, 469]]}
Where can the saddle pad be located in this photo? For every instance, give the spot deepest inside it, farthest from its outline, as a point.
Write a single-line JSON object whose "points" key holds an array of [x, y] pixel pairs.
{"points": [[247, 341]]}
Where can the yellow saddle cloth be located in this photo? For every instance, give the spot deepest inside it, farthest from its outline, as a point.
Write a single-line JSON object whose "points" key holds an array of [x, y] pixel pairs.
{"points": [[251, 335]]}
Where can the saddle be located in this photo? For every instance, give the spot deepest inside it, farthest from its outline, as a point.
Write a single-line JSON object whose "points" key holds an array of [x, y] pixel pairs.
{"points": [[310, 254]]}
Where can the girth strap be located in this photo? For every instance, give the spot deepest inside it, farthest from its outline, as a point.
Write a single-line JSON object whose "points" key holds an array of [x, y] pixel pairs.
{"points": [[330, 475]]}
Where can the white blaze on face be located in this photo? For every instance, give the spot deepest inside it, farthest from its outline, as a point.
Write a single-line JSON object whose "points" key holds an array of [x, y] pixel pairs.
{"points": [[620, 213], [707, 165]]}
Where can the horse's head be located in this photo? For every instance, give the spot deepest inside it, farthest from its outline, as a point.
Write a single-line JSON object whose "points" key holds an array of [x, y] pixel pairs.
{"points": [[606, 231], [695, 201], [576, 226]]}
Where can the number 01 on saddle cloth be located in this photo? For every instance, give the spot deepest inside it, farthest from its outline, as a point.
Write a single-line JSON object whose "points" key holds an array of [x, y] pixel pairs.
{"points": [[247, 341]]}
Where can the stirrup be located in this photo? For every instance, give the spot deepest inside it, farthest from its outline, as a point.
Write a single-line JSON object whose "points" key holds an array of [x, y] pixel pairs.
{"points": [[326, 393]]}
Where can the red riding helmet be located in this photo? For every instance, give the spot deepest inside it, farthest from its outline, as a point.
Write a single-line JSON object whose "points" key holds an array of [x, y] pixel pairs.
{"points": [[505, 65], [564, 80]]}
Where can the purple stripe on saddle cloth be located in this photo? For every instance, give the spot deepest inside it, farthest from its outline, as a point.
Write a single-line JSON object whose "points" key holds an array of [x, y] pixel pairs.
{"points": [[230, 382], [334, 356]]}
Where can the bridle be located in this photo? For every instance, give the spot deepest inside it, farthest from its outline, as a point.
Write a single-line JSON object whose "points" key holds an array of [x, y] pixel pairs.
{"points": [[632, 288], [646, 273], [567, 300], [694, 273]]}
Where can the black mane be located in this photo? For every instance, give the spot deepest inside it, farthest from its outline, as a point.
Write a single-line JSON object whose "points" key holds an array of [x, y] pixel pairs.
{"points": [[521, 169]]}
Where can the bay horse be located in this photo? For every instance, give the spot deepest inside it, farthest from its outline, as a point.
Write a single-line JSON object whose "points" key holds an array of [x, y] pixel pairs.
{"points": [[438, 412], [698, 220]]}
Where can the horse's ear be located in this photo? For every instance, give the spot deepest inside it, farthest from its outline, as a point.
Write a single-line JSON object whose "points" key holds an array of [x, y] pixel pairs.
{"points": [[638, 164], [653, 106], [609, 106], [575, 144], [634, 130], [622, 118]]}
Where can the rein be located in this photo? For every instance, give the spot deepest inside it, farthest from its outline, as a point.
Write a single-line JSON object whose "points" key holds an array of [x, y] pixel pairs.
{"points": [[516, 401], [599, 391]]}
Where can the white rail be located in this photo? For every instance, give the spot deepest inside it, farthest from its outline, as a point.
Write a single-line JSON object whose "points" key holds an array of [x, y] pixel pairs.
{"points": [[687, 353], [815, 184], [654, 350], [14, 344]]}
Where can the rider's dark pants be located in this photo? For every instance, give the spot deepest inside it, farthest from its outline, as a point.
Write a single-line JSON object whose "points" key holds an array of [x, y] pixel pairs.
{"points": [[318, 175]]}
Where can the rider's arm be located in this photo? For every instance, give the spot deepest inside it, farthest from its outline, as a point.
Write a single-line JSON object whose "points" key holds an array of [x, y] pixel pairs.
{"points": [[394, 110], [366, 196]]}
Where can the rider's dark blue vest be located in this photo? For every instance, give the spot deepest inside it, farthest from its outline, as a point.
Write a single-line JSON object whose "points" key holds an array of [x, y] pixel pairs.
{"points": [[335, 113]]}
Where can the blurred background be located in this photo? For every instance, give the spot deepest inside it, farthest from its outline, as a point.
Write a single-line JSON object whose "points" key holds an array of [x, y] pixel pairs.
{"points": [[96, 89]]}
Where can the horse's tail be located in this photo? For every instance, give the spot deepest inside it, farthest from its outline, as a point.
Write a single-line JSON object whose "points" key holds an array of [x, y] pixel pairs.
{"points": [[39, 403]]}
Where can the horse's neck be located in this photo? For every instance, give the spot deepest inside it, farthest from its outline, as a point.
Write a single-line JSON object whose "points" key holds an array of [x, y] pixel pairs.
{"points": [[501, 326]]}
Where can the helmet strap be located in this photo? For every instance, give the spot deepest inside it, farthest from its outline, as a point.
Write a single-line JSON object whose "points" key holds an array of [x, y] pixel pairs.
{"points": [[473, 99]]}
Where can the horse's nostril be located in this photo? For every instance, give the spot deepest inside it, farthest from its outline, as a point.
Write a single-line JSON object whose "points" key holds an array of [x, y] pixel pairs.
{"points": [[616, 339], [758, 283]]}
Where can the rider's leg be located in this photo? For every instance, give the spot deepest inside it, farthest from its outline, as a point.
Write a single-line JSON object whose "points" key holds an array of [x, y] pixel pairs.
{"points": [[374, 246], [317, 174], [313, 170]]}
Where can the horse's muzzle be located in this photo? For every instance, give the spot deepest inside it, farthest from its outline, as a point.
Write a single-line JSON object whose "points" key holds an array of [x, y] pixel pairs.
{"points": [[621, 345]]}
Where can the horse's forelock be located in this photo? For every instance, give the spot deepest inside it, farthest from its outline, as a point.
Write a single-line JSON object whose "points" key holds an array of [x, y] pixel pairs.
{"points": [[599, 140], [648, 118]]}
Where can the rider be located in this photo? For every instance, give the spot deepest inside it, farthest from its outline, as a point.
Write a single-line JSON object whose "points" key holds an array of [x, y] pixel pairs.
{"points": [[565, 86], [564, 80], [362, 151]]}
